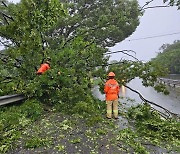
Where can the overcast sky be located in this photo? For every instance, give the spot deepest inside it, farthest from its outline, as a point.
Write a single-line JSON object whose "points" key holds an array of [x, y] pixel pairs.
{"points": [[154, 22], [157, 21]]}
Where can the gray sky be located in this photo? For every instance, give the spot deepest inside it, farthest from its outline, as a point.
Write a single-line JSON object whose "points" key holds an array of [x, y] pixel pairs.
{"points": [[14, 1], [158, 21]]}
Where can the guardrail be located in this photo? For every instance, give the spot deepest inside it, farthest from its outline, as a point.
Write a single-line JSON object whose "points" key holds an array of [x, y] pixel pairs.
{"points": [[170, 82], [11, 98]]}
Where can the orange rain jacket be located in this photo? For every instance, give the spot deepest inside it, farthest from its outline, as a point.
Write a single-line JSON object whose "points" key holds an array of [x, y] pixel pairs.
{"points": [[44, 67], [111, 89]]}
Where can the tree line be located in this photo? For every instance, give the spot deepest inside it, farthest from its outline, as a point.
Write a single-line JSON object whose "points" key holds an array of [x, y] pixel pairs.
{"points": [[169, 57]]}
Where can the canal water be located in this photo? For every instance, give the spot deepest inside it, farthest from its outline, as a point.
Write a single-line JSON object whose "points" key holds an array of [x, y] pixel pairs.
{"points": [[170, 102]]}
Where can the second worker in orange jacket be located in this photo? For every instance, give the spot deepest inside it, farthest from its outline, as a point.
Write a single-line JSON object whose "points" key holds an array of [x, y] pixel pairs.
{"points": [[111, 89]]}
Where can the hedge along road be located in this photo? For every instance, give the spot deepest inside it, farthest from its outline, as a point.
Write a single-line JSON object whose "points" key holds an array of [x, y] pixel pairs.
{"points": [[170, 102]]}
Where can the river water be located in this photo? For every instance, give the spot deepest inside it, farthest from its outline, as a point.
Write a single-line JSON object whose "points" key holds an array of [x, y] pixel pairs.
{"points": [[170, 102]]}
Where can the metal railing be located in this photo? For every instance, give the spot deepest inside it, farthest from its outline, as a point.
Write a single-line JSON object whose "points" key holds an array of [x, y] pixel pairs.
{"points": [[11, 99], [170, 82]]}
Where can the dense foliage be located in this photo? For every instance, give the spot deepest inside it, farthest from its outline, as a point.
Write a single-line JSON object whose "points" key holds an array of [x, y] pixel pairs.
{"points": [[14, 119], [74, 35], [153, 128], [169, 57], [74, 39], [101, 22], [148, 72], [173, 2]]}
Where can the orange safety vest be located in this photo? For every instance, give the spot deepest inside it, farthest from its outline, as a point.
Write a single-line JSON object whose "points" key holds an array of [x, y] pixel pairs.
{"points": [[44, 67], [111, 89]]}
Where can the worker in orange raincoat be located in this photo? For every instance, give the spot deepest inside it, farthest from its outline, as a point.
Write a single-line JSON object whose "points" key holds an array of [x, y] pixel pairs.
{"points": [[44, 67], [111, 89]]}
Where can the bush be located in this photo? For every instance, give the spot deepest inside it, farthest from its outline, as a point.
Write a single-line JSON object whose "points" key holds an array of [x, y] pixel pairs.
{"points": [[15, 118], [31, 109], [152, 127], [83, 108]]}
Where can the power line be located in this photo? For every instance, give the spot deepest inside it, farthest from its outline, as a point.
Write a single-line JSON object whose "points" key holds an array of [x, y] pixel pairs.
{"points": [[158, 6], [149, 37]]}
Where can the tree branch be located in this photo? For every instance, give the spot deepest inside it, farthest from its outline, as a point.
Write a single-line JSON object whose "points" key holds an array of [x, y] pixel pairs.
{"points": [[9, 17], [170, 4], [4, 36], [86, 32], [147, 3], [4, 43], [120, 62], [4, 3], [124, 52], [42, 40], [152, 103], [5, 19], [7, 81]]}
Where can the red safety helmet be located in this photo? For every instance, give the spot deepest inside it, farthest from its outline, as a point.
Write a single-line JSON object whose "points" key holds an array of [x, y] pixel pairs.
{"points": [[111, 74]]}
